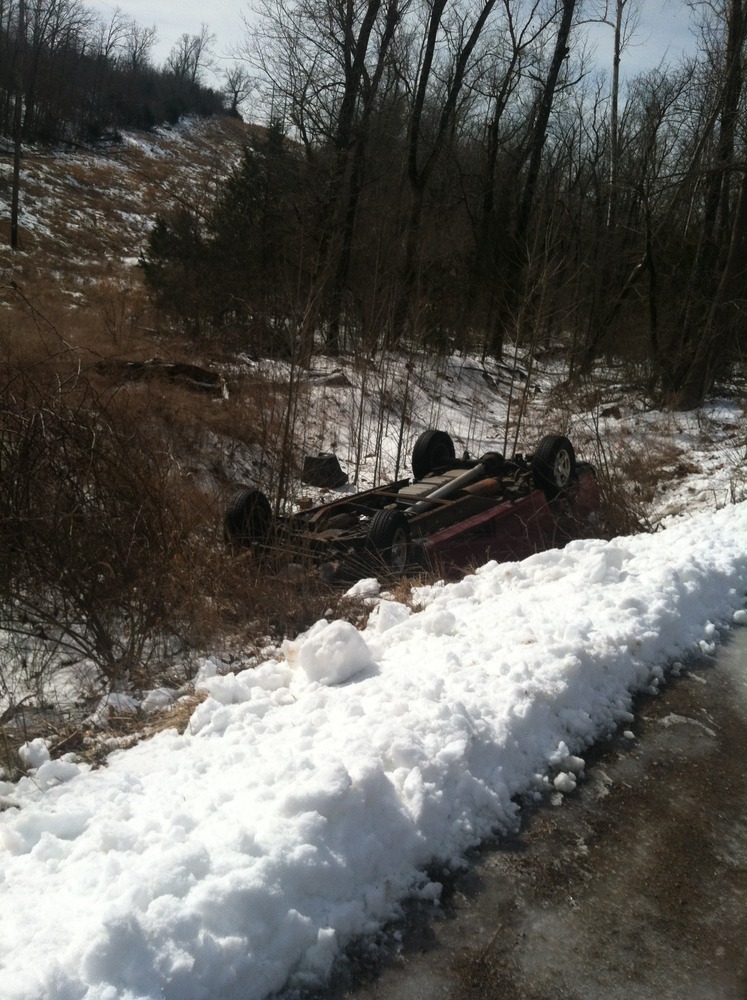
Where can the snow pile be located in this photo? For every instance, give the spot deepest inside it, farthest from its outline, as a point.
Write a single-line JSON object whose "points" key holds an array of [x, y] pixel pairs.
{"points": [[310, 794]]}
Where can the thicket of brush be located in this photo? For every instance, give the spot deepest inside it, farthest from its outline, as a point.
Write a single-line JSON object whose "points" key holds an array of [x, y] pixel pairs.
{"points": [[115, 572]]}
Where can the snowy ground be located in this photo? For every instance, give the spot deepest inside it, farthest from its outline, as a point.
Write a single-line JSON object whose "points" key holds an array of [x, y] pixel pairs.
{"points": [[83, 213], [371, 415], [310, 796]]}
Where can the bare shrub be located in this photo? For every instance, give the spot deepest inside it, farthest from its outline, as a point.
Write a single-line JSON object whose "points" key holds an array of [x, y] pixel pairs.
{"points": [[109, 518], [629, 476], [621, 512], [94, 523], [264, 598], [738, 478]]}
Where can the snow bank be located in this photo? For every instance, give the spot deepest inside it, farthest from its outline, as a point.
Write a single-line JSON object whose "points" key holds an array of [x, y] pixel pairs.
{"points": [[309, 795]]}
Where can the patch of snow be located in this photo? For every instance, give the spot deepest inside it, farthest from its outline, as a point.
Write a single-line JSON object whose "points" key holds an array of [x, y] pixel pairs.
{"points": [[308, 796]]}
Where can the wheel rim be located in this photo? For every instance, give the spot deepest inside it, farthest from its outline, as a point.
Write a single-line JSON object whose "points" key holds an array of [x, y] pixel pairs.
{"points": [[399, 551], [562, 467]]}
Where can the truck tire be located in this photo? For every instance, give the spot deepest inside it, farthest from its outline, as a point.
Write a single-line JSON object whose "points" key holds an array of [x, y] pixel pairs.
{"points": [[432, 450], [388, 539], [247, 519], [554, 465]]}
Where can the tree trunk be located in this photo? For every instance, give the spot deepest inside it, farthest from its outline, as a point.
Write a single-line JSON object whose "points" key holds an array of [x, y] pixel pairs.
{"points": [[370, 89], [419, 174], [717, 344], [706, 331], [515, 262]]}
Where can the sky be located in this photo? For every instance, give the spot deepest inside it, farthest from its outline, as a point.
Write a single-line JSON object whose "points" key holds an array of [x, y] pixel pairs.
{"points": [[663, 27], [310, 793], [172, 20]]}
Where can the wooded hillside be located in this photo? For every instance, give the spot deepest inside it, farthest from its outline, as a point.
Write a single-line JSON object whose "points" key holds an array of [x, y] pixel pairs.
{"points": [[459, 175], [68, 76], [447, 175]]}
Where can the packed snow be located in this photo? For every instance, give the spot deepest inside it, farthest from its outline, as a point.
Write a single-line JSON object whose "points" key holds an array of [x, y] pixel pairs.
{"points": [[309, 796]]}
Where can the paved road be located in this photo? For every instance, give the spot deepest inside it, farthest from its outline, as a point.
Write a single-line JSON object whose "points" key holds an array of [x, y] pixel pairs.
{"points": [[635, 888]]}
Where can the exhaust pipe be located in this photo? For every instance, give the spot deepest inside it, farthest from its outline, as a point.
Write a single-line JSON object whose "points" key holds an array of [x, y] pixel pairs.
{"points": [[478, 471]]}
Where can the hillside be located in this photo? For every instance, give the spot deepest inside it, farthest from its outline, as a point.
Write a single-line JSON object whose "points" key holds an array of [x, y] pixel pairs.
{"points": [[85, 215]]}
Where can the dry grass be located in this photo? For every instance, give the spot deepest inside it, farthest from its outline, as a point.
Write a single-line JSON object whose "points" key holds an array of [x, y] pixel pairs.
{"points": [[621, 512], [633, 471], [237, 603], [92, 745], [84, 214], [10, 762]]}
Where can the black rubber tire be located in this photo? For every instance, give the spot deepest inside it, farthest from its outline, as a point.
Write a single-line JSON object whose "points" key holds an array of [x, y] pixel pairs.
{"points": [[248, 518], [554, 465], [432, 450], [389, 539]]}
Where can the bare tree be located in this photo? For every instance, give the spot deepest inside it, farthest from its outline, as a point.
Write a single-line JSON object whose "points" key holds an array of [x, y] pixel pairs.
{"points": [[458, 39], [515, 43], [612, 287], [325, 63], [138, 45], [111, 34], [515, 260], [238, 84], [654, 148], [711, 317], [191, 55], [623, 20], [53, 30], [623, 16]]}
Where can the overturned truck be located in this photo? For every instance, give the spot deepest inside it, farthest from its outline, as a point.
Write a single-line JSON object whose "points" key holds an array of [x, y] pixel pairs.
{"points": [[453, 514]]}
